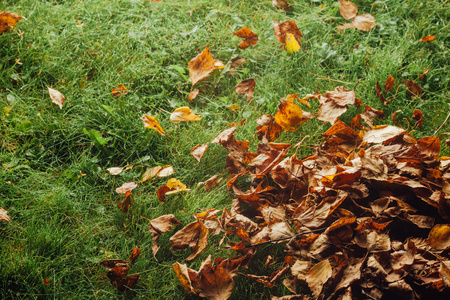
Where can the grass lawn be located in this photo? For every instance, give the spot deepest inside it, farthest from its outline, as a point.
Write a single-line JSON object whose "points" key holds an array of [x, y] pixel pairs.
{"points": [[54, 181]]}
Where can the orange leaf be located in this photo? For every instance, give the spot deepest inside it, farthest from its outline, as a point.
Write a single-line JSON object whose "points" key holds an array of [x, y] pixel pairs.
{"points": [[418, 116], [150, 122], [201, 66], [429, 145], [413, 88], [246, 87], [183, 114], [347, 9], [289, 115], [8, 20], [250, 38], [134, 255], [380, 94], [427, 38], [389, 83], [126, 202]]}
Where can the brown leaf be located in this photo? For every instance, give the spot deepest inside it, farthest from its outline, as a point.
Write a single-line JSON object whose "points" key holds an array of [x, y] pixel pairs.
{"points": [[160, 171], [379, 134], [216, 282], [183, 114], [413, 88], [429, 145], [126, 202], [4, 215], [198, 151], [250, 38], [364, 22], [159, 226], [56, 97], [182, 272], [201, 66], [151, 122], [347, 9], [235, 64], [121, 90], [134, 255], [246, 87], [282, 29], [424, 74], [192, 95], [281, 4], [389, 83], [418, 117], [211, 182], [427, 38], [380, 94], [370, 113], [439, 237], [224, 136], [115, 170], [126, 187], [317, 276], [110, 264], [8, 20], [194, 236], [351, 273]]}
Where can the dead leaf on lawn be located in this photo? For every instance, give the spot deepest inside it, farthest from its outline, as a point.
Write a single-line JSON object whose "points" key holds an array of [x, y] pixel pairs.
{"points": [[158, 226], [4, 215], [121, 90], [192, 95], [134, 255], [289, 115], [413, 88], [291, 43], [183, 114], [124, 206], [427, 38], [281, 4], [8, 20], [194, 236], [198, 151], [235, 64], [151, 122], [418, 117], [364, 22], [56, 97], [201, 66], [282, 29], [160, 171], [171, 187], [347, 9], [246, 87], [389, 83], [115, 170], [126, 187], [250, 38]]}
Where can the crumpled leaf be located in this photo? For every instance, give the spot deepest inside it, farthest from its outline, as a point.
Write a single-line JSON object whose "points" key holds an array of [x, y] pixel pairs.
{"points": [[418, 117], [427, 38], [151, 122], [8, 20], [4, 215], [289, 115], [413, 88], [171, 187], [379, 134], [183, 114], [126, 202], [56, 97], [246, 87], [198, 151], [201, 66], [158, 226], [194, 235], [250, 38], [211, 182], [347, 9], [126, 187], [389, 84], [235, 64], [134, 255]]}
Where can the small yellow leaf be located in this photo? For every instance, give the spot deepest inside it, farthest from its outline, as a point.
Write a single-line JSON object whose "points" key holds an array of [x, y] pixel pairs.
{"points": [[150, 122], [291, 43], [183, 114]]}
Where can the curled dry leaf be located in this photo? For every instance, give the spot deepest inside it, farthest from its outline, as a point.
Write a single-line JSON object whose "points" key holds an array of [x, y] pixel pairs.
{"points": [[282, 29], [183, 114], [281, 4], [126, 187], [115, 170], [224, 136], [246, 87], [211, 182], [198, 151], [379, 134], [250, 38], [8, 20], [289, 115], [439, 237], [347, 9], [56, 97], [121, 90], [418, 117], [160, 171], [427, 38], [364, 22], [413, 88], [171, 187], [201, 66], [192, 95], [429, 145], [4, 215], [151, 122], [194, 236], [235, 64], [134, 255], [159, 226], [424, 74], [370, 113], [380, 93]]}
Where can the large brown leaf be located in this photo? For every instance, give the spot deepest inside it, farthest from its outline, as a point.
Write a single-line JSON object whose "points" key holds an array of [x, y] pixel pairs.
{"points": [[159, 226], [194, 236], [201, 66], [246, 87]]}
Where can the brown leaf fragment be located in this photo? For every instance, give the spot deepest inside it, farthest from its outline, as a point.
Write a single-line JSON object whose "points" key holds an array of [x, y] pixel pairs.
{"points": [[4, 215], [215, 282], [124, 206], [345, 26], [439, 237], [8, 20], [160, 171], [194, 235], [380, 93], [347, 9], [429, 145], [159, 226], [201, 66], [281, 4], [350, 274], [427, 38], [424, 74], [211, 182], [198, 151], [183, 274], [317, 276], [235, 64], [121, 90], [110, 264], [364, 22], [370, 113], [250, 38], [444, 271], [246, 87], [389, 83], [400, 259], [289, 115], [134, 255], [183, 114], [192, 95], [56, 97], [282, 29], [418, 117], [126, 187], [291, 297], [224, 136], [412, 88]]}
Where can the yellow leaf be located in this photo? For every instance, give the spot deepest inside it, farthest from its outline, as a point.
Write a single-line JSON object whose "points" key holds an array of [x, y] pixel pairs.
{"points": [[291, 43], [234, 107], [183, 114], [150, 122]]}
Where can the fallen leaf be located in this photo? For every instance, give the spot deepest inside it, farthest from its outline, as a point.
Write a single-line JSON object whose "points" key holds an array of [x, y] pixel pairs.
{"points": [[281, 4], [224, 136], [429, 145], [56, 97], [370, 113], [379, 134], [418, 117], [380, 94], [389, 83], [246, 87], [427, 38], [198, 151], [235, 64], [46, 281], [345, 26], [124, 206], [439, 237], [413, 88], [160, 171], [121, 90], [364, 22], [171, 187], [317, 276], [183, 114], [182, 272], [115, 170], [158, 226], [211, 182], [424, 74], [282, 29], [4, 215], [289, 115], [234, 107], [192, 95], [126, 187], [8, 20], [347, 9], [151, 122], [134, 255], [201, 66], [250, 38], [291, 43], [194, 236]]}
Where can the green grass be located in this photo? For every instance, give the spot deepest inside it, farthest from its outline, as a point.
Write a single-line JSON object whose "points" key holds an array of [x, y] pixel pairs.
{"points": [[64, 224]]}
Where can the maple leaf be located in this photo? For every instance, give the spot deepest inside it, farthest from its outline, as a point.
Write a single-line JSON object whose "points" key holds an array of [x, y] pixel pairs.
{"points": [[4, 215], [250, 38], [151, 122], [56, 97], [126, 187], [158, 226], [347, 9], [8, 20], [171, 187], [183, 114], [194, 235], [334, 103], [246, 87], [198, 151], [121, 90], [201, 66]]}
